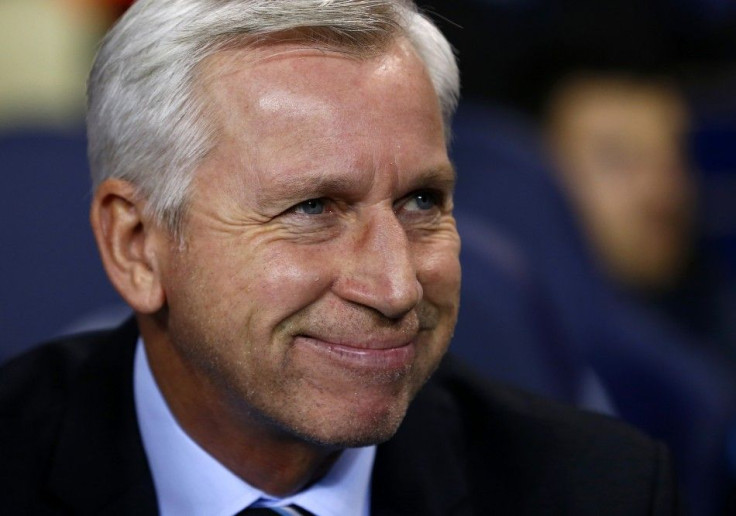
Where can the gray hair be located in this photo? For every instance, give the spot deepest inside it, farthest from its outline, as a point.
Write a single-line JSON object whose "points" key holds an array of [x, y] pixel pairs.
{"points": [[144, 120]]}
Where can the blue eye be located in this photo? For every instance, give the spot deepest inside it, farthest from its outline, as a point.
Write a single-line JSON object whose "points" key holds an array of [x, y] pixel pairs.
{"points": [[422, 201], [426, 201], [311, 207]]}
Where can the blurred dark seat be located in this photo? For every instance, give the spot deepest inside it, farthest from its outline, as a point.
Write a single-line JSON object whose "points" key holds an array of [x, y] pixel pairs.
{"points": [[517, 231]]}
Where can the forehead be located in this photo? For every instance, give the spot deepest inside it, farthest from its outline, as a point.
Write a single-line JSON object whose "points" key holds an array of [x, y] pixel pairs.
{"points": [[289, 108], [263, 78], [623, 106]]}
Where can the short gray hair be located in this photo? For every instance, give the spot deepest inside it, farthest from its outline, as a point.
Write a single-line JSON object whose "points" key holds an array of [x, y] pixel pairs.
{"points": [[144, 119]]}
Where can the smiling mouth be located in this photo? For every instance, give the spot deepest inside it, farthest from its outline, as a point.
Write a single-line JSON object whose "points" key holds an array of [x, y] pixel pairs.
{"points": [[394, 355]]}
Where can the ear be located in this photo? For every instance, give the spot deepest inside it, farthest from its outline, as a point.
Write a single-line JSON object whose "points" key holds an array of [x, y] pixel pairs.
{"points": [[131, 246]]}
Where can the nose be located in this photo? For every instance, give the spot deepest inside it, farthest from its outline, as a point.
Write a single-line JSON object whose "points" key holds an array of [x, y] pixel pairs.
{"points": [[379, 271]]}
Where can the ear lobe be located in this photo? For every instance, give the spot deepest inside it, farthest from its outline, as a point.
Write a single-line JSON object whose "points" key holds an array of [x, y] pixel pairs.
{"points": [[130, 245]]}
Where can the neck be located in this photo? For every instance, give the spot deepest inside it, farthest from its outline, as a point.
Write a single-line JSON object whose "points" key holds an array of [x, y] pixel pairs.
{"points": [[253, 448]]}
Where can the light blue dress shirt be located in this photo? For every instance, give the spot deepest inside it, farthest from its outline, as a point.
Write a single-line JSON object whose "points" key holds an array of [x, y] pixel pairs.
{"points": [[190, 482]]}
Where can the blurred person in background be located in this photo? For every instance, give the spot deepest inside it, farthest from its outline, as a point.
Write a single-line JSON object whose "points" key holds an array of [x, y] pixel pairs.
{"points": [[620, 147], [620, 143], [553, 324]]}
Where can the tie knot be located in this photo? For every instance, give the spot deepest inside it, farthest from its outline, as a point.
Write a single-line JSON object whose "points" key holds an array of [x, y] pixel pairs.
{"points": [[289, 510]]}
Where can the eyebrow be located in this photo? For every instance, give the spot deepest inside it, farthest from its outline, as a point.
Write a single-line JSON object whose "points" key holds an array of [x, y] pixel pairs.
{"points": [[442, 178], [291, 189]]}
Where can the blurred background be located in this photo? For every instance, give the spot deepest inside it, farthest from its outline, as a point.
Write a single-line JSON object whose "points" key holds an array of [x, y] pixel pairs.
{"points": [[596, 150]]}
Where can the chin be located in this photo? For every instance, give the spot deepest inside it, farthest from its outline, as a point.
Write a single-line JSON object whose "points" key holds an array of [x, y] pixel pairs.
{"points": [[354, 437], [353, 427]]}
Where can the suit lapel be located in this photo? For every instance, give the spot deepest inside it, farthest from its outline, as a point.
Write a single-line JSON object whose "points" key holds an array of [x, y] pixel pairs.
{"points": [[421, 469], [99, 465]]}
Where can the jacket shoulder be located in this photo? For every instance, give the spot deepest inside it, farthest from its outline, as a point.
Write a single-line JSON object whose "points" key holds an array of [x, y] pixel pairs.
{"points": [[483, 404], [49, 393], [41, 378], [530, 455]]}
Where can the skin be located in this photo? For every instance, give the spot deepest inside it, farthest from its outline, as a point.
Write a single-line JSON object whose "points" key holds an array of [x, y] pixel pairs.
{"points": [[317, 286], [620, 150]]}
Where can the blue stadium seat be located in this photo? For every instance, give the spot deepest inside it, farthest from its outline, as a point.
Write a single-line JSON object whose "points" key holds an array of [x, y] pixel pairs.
{"points": [[51, 273]]}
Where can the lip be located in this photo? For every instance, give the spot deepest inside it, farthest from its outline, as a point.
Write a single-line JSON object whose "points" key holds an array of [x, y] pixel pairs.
{"points": [[380, 356]]}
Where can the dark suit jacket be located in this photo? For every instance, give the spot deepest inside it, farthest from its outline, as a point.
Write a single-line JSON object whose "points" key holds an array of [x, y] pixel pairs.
{"points": [[69, 444]]}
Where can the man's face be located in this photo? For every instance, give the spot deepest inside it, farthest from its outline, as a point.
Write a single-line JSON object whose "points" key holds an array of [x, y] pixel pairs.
{"points": [[318, 285], [621, 150]]}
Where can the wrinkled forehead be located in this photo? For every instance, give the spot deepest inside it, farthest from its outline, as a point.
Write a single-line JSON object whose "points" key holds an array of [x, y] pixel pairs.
{"points": [[314, 84], [239, 57], [392, 50], [229, 55]]}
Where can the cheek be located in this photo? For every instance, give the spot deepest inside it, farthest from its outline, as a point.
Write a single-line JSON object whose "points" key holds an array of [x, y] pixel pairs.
{"points": [[438, 271], [238, 283], [289, 276]]}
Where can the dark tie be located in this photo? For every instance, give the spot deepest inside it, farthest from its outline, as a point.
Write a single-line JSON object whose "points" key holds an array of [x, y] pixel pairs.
{"points": [[290, 510]]}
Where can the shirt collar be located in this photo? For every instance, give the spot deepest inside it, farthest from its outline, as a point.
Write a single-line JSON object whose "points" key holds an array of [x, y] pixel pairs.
{"points": [[190, 482]]}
